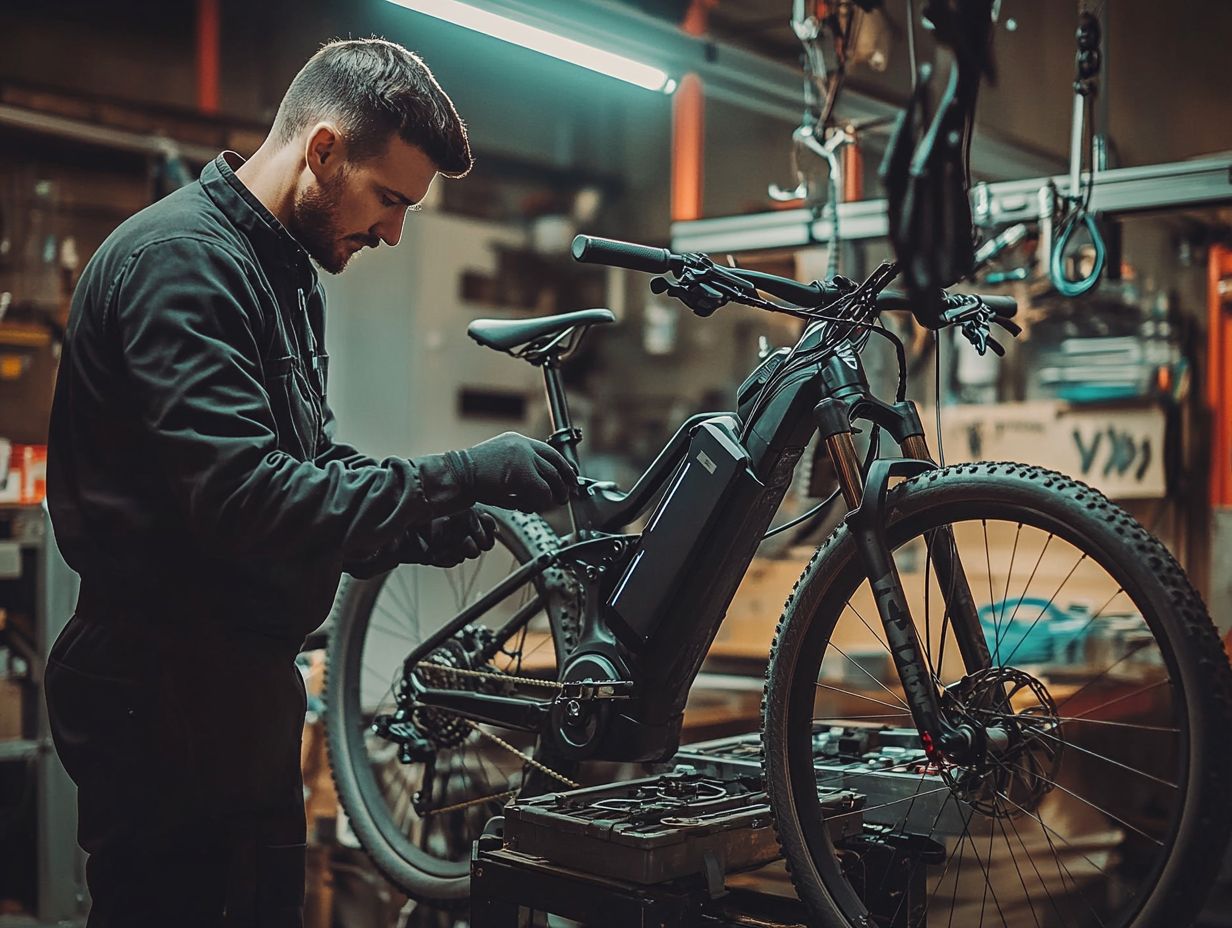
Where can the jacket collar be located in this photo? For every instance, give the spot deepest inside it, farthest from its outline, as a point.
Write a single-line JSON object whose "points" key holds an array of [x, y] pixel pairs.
{"points": [[269, 237]]}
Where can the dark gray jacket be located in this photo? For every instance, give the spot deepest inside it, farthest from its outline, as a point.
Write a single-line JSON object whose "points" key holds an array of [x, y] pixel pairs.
{"points": [[191, 456]]}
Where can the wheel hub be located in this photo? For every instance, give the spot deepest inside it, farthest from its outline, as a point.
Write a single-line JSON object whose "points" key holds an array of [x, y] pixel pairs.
{"points": [[1017, 741]]}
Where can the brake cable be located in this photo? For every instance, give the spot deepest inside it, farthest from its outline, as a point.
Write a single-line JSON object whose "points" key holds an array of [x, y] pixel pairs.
{"points": [[1087, 66]]}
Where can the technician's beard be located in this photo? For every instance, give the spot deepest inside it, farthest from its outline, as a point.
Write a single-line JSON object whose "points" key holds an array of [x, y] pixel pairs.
{"points": [[314, 225]]}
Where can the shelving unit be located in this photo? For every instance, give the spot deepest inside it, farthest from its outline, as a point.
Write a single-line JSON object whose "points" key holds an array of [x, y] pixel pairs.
{"points": [[47, 587]]}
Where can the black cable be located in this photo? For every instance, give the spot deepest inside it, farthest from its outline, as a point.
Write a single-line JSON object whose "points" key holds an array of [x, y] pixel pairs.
{"points": [[911, 40], [801, 518]]}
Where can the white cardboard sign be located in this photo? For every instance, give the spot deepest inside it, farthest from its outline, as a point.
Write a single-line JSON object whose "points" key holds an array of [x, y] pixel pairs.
{"points": [[1119, 451]]}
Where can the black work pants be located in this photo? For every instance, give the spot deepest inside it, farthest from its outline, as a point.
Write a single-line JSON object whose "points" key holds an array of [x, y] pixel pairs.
{"points": [[184, 745]]}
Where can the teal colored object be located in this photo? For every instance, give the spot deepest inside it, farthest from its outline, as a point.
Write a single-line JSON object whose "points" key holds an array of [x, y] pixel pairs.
{"points": [[1040, 632]]}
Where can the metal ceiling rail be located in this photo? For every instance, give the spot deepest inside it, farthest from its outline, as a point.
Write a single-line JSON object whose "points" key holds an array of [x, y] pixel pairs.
{"points": [[733, 75], [1201, 182], [105, 136]]}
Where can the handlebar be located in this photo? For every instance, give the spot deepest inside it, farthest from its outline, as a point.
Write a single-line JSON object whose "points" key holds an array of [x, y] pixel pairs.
{"points": [[1004, 307], [718, 284], [590, 249]]}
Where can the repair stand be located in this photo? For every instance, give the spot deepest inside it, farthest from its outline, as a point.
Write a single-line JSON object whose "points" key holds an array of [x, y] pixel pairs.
{"points": [[504, 881]]}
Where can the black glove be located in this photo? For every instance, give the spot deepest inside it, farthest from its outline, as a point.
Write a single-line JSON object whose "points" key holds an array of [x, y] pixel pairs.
{"points": [[443, 542], [455, 538], [516, 472]]}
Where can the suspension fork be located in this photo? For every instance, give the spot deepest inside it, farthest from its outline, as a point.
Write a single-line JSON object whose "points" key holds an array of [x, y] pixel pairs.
{"points": [[952, 579], [865, 497]]}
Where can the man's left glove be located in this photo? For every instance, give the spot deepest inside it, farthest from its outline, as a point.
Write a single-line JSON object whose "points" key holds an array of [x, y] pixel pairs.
{"points": [[443, 542]]}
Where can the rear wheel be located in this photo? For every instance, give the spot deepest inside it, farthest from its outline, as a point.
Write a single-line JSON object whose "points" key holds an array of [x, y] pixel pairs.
{"points": [[1106, 805], [419, 790]]}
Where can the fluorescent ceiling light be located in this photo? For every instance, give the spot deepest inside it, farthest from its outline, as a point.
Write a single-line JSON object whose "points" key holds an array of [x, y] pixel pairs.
{"points": [[544, 42]]}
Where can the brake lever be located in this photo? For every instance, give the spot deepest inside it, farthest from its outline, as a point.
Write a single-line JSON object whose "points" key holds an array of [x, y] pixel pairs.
{"points": [[699, 296], [1009, 325], [974, 318]]}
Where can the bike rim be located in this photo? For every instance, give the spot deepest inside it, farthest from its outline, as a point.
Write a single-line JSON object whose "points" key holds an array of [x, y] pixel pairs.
{"points": [[1025, 864], [397, 613]]}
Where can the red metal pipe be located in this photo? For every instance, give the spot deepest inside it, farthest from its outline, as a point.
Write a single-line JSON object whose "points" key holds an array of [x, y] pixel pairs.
{"points": [[1219, 371], [689, 128], [207, 56]]}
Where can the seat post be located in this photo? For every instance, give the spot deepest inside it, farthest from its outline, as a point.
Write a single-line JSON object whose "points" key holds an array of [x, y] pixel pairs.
{"points": [[564, 438]]}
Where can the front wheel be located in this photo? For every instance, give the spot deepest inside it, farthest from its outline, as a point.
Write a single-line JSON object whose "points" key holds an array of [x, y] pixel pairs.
{"points": [[1103, 801]]}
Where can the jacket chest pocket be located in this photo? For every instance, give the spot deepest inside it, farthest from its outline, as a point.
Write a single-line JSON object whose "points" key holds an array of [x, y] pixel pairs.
{"points": [[296, 407]]}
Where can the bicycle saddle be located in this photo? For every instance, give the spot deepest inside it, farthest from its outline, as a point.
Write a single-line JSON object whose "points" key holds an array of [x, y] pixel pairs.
{"points": [[507, 334]]}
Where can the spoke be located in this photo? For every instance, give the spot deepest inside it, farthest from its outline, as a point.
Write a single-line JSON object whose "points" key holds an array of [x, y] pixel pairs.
{"points": [[838, 689], [984, 870], [1014, 860], [881, 641], [939, 670], [1100, 611], [1138, 692], [1085, 721], [380, 675], [390, 587], [1047, 606], [871, 630], [1107, 670], [854, 718], [1068, 843], [1039, 876], [987, 881], [1005, 597], [415, 602], [546, 638], [1116, 763], [992, 604], [1061, 865], [522, 646], [962, 850], [398, 618], [474, 578], [932, 829], [396, 633], [892, 802], [409, 599], [869, 674], [451, 579], [1026, 586], [1099, 809]]}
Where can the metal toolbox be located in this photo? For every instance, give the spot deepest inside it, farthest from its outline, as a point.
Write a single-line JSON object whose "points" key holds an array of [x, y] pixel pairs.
{"points": [[661, 828]]}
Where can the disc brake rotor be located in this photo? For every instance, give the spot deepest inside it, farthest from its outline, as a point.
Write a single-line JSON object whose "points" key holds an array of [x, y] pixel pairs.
{"points": [[1010, 781]]}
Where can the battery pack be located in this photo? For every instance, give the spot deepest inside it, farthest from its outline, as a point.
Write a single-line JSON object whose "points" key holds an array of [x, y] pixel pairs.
{"points": [[715, 465]]}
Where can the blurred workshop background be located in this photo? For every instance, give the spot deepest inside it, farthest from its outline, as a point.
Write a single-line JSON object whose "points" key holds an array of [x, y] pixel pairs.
{"points": [[106, 107]]}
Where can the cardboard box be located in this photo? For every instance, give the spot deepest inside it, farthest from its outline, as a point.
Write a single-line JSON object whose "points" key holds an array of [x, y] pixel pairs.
{"points": [[12, 708], [1117, 450]]}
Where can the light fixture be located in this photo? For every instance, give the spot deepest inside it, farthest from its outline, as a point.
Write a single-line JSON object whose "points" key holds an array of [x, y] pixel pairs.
{"points": [[544, 42]]}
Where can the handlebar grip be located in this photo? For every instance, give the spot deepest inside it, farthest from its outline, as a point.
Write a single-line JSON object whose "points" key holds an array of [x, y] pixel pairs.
{"points": [[1004, 306], [591, 250]]}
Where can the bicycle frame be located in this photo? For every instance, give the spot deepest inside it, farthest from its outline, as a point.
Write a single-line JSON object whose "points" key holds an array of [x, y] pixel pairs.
{"points": [[825, 398]]}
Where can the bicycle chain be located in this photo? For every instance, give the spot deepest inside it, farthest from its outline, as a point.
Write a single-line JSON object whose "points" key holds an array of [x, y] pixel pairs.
{"points": [[542, 768], [500, 675], [501, 742]]}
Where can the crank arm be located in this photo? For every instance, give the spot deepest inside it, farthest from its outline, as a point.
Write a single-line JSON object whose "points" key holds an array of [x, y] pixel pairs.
{"points": [[505, 711], [588, 690]]}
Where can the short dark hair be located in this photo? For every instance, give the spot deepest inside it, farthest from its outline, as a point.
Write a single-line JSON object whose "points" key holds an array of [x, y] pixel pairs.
{"points": [[375, 88]]}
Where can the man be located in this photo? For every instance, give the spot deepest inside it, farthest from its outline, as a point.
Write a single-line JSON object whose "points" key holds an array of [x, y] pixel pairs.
{"points": [[195, 484]]}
